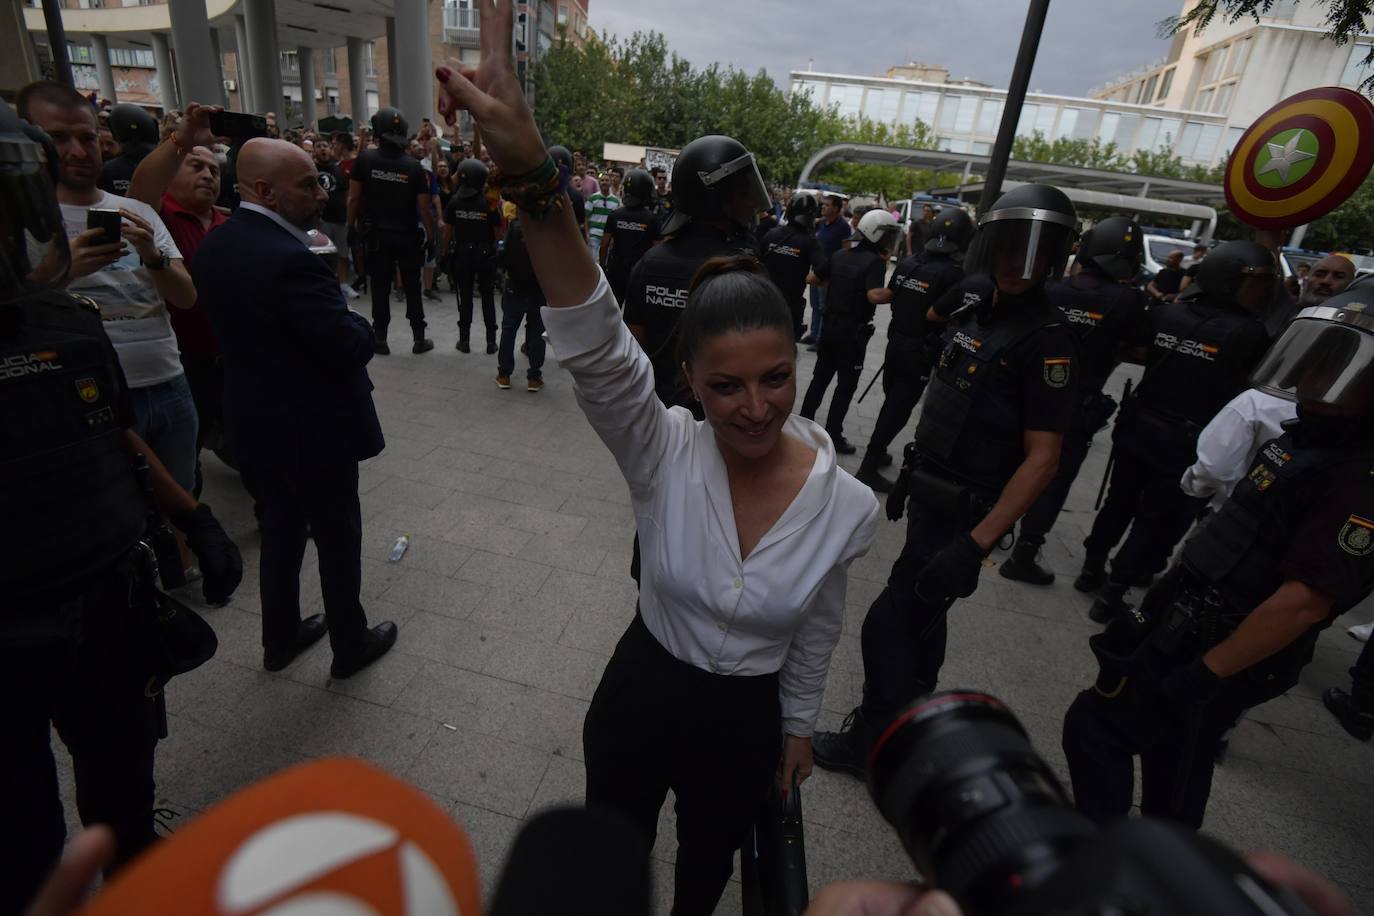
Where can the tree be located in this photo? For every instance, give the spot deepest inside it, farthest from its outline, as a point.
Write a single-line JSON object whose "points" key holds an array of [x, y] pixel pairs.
{"points": [[1344, 20]]}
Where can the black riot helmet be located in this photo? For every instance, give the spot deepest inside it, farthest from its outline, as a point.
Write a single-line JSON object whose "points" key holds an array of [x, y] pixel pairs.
{"points": [[1114, 246], [472, 178], [803, 210], [950, 231], [1324, 360], [716, 178], [134, 129], [32, 239], [389, 126], [638, 190], [1221, 274], [561, 157], [1025, 235]]}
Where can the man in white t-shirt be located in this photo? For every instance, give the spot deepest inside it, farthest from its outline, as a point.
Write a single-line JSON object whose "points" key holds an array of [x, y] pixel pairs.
{"points": [[134, 281]]}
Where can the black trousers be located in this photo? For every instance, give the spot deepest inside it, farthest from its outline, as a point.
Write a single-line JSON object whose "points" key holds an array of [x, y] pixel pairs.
{"points": [[473, 263], [904, 634], [386, 253], [1362, 675], [1043, 513], [514, 310], [1148, 501], [327, 499], [905, 376], [840, 353], [657, 723], [76, 665], [798, 309]]}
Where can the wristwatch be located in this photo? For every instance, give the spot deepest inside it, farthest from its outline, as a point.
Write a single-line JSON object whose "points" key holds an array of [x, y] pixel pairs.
{"points": [[160, 264]]}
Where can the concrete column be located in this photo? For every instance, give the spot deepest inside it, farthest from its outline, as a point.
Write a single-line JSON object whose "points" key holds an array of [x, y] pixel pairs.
{"points": [[166, 80], [245, 69], [305, 58], [199, 76], [413, 62], [357, 81], [260, 21], [100, 50], [393, 92], [218, 66]]}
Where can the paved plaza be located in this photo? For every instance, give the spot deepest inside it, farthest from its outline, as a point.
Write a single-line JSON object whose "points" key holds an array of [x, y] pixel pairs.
{"points": [[516, 587]]}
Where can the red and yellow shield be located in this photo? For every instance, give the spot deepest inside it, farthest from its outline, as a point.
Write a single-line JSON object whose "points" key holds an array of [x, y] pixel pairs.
{"points": [[1301, 159], [88, 390]]}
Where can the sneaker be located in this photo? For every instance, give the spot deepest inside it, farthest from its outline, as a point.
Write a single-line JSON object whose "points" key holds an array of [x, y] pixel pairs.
{"points": [[503, 382], [534, 385], [432, 294], [1354, 717], [841, 751], [1362, 631], [348, 291], [423, 345]]}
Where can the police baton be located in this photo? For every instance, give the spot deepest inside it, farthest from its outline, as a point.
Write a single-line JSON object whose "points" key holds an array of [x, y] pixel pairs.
{"points": [[1111, 456], [874, 382]]}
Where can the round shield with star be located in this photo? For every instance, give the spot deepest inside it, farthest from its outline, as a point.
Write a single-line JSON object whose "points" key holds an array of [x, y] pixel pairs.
{"points": [[1301, 159]]}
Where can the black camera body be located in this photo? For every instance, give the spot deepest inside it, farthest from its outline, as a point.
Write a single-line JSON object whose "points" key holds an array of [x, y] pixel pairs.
{"points": [[984, 817]]}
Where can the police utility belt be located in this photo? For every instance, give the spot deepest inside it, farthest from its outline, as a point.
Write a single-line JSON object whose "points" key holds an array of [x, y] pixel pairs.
{"points": [[1195, 620], [930, 490]]}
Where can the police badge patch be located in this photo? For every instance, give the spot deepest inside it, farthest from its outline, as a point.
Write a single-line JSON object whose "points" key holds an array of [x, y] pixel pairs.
{"points": [[1057, 371], [1357, 536]]}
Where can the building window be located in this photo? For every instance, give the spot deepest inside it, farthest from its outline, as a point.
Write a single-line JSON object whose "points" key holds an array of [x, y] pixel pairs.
{"points": [[1106, 131], [374, 100], [1149, 92], [1240, 56], [950, 112], [371, 58], [289, 63], [1068, 118], [90, 4], [1044, 121], [1167, 83], [1149, 134], [1233, 135], [1355, 70], [1125, 136], [460, 14], [132, 57], [1204, 100], [331, 65], [982, 148], [990, 116], [920, 106], [562, 15], [1221, 104], [848, 98], [81, 54], [1025, 125], [1212, 69], [1187, 142]]}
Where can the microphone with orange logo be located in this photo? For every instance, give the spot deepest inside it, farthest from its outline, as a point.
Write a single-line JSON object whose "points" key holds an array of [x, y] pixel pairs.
{"points": [[338, 836]]}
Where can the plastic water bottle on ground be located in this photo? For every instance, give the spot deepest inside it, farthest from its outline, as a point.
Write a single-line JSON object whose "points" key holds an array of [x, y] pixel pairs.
{"points": [[398, 549]]}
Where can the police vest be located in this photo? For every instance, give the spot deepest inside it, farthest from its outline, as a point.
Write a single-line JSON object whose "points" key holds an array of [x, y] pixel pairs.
{"points": [[918, 282], [965, 431], [846, 300], [470, 218], [68, 495], [390, 199], [1239, 549], [634, 231], [1092, 307], [787, 256]]}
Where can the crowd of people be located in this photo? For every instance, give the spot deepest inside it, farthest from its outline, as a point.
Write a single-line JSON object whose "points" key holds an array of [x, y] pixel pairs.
{"points": [[205, 317]]}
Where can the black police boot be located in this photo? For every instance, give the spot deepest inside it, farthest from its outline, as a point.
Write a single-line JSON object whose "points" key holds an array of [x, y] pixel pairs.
{"points": [[844, 751], [869, 476], [885, 460], [463, 345], [1022, 565], [1355, 714], [379, 344], [422, 345], [1110, 603], [491, 341], [842, 445], [1093, 576]]}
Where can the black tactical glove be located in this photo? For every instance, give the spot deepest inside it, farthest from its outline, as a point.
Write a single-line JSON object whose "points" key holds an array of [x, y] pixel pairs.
{"points": [[952, 572], [220, 561]]}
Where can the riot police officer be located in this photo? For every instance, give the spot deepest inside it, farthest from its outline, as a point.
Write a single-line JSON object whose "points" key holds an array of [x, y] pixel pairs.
{"points": [[564, 160], [857, 287], [630, 231], [388, 202], [987, 443], [913, 339], [137, 134], [475, 223], [717, 194], [1107, 314], [1202, 348], [78, 601], [792, 255], [1236, 618]]}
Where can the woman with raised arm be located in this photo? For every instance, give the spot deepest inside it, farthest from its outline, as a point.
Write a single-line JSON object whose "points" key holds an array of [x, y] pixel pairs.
{"points": [[747, 523]]}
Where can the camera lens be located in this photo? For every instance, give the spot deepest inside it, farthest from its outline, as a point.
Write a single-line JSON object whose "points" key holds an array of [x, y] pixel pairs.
{"points": [[977, 810]]}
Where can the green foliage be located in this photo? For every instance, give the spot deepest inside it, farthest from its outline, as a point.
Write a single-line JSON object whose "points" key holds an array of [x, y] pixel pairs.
{"points": [[1345, 19], [1350, 227]]}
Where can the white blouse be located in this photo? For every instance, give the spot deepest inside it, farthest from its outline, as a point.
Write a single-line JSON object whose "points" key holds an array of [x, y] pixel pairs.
{"points": [[782, 608]]}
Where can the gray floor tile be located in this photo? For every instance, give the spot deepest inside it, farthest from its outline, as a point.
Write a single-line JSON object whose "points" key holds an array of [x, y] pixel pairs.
{"points": [[480, 770]]}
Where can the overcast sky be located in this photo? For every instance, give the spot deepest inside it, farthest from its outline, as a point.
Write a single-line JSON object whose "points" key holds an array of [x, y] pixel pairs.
{"points": [[1085, 42]]}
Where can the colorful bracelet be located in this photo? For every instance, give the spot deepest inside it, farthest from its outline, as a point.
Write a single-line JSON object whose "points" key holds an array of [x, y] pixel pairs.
{"points": [[537, 193]]}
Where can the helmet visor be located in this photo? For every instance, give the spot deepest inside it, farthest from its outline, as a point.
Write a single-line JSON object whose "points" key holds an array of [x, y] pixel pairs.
{"points": [[33, 242], [1026, 247], [1318, 361], [740, 176]]}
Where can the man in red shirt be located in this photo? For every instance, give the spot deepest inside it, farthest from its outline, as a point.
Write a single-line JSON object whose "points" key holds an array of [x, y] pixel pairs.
{"points": [[180, 180]]}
